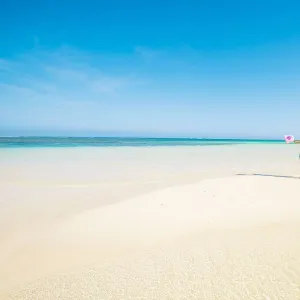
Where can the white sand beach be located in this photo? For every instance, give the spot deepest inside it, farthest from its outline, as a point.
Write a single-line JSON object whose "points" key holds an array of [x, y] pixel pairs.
{"points": [[219, 222]]}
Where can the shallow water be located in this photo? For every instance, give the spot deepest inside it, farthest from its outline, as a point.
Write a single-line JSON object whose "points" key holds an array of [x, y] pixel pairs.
{"points": [[9, 142]]}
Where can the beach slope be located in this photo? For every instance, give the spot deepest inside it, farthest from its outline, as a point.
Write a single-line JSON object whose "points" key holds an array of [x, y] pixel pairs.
{"points": [[226, 238]]}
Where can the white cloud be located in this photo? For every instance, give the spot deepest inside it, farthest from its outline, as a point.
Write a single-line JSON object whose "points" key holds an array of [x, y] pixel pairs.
{"points": [[147, 53], [4, 65], [65, 75]]}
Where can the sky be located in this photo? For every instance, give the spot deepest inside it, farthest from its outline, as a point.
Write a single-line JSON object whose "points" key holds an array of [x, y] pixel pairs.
{"points": [[150, 68]]}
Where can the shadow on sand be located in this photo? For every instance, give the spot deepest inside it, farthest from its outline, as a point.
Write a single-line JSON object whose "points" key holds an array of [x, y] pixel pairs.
{"points": [[269, 175]]}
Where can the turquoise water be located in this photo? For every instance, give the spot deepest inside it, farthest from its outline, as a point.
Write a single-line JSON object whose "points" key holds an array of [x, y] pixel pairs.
{"points": [[27, 142]]}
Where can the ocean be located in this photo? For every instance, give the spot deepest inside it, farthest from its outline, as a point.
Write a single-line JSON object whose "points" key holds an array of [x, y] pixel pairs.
{"points": [[30, 142]]}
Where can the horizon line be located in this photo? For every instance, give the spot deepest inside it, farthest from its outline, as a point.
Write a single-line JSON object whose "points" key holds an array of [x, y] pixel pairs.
{"points": [[140, 137]]}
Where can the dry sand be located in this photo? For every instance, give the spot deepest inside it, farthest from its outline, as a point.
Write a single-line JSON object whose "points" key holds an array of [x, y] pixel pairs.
{"points": [[170, 231]]}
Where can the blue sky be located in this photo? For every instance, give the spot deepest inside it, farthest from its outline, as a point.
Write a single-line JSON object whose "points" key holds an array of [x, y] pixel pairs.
{"points": [[150, 68]]}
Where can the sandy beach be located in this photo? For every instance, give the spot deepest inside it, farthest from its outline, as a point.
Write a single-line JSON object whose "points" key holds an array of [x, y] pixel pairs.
{"points": [[219, 222]]}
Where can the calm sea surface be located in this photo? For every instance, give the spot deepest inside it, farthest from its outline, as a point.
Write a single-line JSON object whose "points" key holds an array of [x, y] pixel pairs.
{"points": [[27, 142]]}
